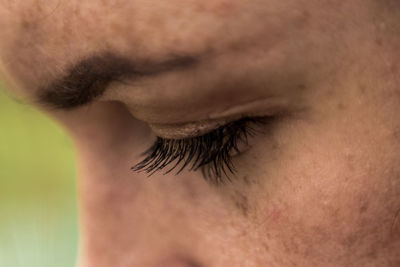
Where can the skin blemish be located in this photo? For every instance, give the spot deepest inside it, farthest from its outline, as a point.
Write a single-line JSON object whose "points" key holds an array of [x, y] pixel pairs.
{"points": [[378, 41], [364, 208], [241, 202], [265, 246], [246, 180], [350, 162], [396, 135], [341, 106], [275, 214], [227, 5], [302, 87], [350, 241], [363, 89], [303, 17], [396, 221]]}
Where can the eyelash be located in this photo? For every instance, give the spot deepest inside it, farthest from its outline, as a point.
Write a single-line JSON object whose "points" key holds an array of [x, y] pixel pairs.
{"points": [[211, 152]]}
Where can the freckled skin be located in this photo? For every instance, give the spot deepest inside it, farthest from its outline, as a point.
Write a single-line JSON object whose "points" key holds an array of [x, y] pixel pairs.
{"points": [[320, 186]]}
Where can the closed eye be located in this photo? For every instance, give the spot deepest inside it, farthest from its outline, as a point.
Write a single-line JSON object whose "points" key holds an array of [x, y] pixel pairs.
{"points": [[211, 153]]}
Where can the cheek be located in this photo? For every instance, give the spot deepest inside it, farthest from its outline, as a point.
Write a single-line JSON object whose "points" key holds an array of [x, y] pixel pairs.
{"points": [[336, 198]]}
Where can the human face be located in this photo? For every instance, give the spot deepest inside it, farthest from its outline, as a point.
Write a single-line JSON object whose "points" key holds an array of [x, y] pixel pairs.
{"points": [[318, 184]]}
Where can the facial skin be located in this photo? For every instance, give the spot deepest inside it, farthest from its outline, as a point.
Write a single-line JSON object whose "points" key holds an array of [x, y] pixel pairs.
{"points": [[319, 187]]}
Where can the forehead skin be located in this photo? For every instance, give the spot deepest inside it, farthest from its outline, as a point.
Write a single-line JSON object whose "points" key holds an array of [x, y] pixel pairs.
{"points": [[53, 34], [245, 45], [320, 188]]}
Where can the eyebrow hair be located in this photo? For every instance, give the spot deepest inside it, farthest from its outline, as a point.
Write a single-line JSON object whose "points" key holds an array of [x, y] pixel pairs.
{"points": [[90, 77]]}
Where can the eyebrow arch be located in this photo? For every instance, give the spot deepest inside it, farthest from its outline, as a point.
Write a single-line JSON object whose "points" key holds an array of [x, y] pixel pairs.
{"points": [[90, 77]]}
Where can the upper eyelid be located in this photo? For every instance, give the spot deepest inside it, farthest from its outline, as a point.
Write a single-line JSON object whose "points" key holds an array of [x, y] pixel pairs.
{"points": [[198, 128], [186, 130], [211, 149], [256, 108]]}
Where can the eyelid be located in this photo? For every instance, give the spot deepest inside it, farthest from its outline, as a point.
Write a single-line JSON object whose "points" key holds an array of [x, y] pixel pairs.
{"points": [[265, 107], [186, 130], [268, 106], [211, 153]]}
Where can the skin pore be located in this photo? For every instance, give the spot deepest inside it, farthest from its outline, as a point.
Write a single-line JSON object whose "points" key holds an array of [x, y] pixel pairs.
{"points": [[320, 186]]}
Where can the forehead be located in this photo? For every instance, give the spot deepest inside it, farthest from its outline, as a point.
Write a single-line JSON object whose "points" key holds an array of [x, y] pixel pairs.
{"points": [[51, 34]]}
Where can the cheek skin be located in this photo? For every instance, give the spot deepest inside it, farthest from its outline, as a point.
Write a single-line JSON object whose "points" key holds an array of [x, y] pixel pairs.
{"points": [[333, 200], [318, 202]]}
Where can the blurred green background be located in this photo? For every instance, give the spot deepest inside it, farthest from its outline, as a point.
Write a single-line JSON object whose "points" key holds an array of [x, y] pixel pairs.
{"points": [[38, 216]]}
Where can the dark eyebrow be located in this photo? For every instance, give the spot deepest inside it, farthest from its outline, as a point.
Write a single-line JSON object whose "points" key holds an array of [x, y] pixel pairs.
{"points": [[90, 77]]}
